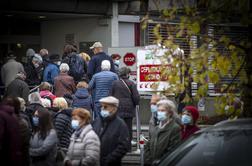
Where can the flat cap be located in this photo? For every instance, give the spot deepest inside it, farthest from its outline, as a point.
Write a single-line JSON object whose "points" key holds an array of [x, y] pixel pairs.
{"points": [[110, 100]]}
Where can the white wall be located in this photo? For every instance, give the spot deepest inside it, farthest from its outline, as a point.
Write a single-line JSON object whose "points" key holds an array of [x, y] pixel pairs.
{"points": [[126, 34], [85, 30]]}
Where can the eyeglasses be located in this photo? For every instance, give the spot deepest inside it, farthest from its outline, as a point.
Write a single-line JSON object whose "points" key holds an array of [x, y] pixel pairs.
{"points": [[105, 106]]}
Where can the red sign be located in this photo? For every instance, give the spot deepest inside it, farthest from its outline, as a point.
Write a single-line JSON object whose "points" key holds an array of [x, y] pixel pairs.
{"points": [[129, 59], [153, 73]]}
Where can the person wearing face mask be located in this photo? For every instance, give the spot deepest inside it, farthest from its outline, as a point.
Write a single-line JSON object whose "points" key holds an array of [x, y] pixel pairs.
{"points": [[112, 131], [116, 59], [84, 148], [34, 70], [43, 143], [166, 135], [190, 115], [155, 98]]}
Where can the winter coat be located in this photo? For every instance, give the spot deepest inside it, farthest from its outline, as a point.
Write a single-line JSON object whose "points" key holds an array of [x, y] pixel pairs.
{"points": [[82, 99], [33, 75], [84, 148], [10, 145], [163, 140], [94, 65], [62, 124], [51, 71], [25, 134], [64, 84], [128, 97], [18, 88], [43, 152], [9, 71], [101, 84], [114, 137]]}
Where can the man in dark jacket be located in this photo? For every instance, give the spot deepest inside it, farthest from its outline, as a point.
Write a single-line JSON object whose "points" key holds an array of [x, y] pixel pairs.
{"points": [[18, 87], [126, 91], [112, 131], [94, 65]]}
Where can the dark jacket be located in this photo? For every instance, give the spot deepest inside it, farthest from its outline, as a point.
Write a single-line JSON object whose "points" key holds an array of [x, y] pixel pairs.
{"points": [[10, 145], [114, 137], [25, 134], [163, 140], [18, 88], [62, 124], [82, 99], [33, 75], [94, 65], [64, 84], [128, 97]]}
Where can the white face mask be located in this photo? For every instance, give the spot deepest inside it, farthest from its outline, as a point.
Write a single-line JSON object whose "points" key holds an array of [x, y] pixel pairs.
{"points": [[104, 113], [58, 63]]}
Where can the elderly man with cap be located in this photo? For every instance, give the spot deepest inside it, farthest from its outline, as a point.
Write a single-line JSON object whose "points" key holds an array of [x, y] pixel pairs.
{"points": [[112, 131], [10, 69], [94, 65], [52, 69], [18, 87], [101, 84], [34, 70]]}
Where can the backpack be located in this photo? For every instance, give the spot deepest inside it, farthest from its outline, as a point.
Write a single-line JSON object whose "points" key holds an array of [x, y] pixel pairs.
{"points": [[76, 65]]}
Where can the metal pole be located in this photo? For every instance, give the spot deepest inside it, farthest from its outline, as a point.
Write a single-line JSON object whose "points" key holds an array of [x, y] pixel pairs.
{"points": [[142, 139], [138, 123]]}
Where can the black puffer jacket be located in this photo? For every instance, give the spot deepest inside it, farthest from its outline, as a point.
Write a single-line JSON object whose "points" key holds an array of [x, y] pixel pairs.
{"points": [[128, 97], [114, 137], [62, 123]]}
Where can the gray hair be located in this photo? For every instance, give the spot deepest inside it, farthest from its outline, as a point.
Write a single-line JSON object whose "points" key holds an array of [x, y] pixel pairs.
{"points": [[105, 65], [169, 106], [34, 98], [64, 67]]}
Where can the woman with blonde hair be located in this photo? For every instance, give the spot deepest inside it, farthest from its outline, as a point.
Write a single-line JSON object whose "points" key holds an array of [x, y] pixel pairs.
{"points": [[84, 148], [62, 122]]}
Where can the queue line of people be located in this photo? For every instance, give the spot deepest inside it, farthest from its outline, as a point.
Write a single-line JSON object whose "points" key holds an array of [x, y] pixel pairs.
{"points": [[88, 120]]}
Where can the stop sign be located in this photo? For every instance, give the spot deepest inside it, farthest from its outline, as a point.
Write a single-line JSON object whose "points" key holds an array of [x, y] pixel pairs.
{"points": [[129, 59]]}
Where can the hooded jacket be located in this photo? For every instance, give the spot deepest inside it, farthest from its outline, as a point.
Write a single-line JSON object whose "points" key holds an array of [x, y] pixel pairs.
{"points": [[188, 130], [82, 99]]}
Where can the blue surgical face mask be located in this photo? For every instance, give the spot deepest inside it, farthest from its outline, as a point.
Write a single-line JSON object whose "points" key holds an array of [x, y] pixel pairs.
{"points": [[161, 116], [117, 62], [104, 113], [153, 108], [35, 120], [186, 119], [75, 124]]}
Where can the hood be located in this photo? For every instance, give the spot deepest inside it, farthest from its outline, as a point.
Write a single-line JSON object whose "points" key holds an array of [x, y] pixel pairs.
{"points": [[45, 93], [194, 111], [82, 93]]}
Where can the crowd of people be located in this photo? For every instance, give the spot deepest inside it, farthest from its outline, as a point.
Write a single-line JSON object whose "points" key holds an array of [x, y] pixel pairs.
{"points": [[78, 110]]}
